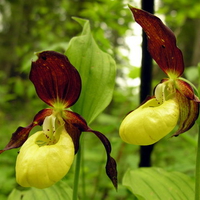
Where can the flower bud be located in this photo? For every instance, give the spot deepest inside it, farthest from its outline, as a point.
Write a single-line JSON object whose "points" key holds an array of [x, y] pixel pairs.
{"points": [[150, 122], [41, 163]]}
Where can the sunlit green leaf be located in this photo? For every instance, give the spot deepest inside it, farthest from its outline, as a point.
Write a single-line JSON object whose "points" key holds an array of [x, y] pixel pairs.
{"points": [[59, 191], [97, 70], [158, 184]]}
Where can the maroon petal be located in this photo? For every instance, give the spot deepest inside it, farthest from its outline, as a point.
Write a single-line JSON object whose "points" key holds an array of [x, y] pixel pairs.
{"points": [[185, 89], [75, 124], [55, 79], [161, 43], [41, 115], [111, 166], [189, 112], [21, 134]]}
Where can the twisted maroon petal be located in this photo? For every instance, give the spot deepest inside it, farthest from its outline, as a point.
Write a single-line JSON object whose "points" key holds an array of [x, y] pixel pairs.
{"points": [[21, 134], [185, 89], [111, 166], [55, 79], [161, 43], [189, 112], [75, 124]]}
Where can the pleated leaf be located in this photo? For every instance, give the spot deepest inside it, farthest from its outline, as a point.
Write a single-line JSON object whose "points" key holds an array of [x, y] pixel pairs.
{"points": [[59, 191], [97, 70], [158, 184]]}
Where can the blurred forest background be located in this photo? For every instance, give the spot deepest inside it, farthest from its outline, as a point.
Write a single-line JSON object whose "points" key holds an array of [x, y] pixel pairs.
{"points": [[31, 26]]}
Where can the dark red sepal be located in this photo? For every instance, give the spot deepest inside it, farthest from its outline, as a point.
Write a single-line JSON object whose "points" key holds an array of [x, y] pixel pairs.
{"points": [[21, 134], [55, 79], [75, 124], [189, 112], [161, 43]]}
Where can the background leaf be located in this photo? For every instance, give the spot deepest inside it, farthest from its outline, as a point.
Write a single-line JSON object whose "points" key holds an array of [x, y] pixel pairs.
{"points": [[59, 191], [97, 70], [158, 184]]}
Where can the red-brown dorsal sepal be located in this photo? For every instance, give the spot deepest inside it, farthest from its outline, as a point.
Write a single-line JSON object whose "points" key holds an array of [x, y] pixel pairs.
{"points": [[55, 79], [161, 43]]}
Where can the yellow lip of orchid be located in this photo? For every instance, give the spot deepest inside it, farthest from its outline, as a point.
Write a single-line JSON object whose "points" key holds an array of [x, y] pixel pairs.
{"points": [[45, 158], [150, 122]]}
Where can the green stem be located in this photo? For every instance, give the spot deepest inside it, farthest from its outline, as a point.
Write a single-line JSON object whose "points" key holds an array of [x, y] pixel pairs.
{"points": [[76, 175], [197, 182], [83, 172], [191, 140]]}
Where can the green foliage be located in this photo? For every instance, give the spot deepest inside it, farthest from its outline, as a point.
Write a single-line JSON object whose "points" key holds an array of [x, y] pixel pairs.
{"points": [[157, 184], [59, 191], [182, 16], [97, 70], [178, 11]]}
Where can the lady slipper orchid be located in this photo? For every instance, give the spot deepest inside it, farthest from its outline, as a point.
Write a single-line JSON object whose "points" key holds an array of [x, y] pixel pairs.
{"points": [[174, 101], [46, 156]]}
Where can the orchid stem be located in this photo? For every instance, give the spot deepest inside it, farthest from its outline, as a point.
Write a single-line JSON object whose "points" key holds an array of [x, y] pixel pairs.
{"points": [[83, 167], [76, 175], [197, 174]]}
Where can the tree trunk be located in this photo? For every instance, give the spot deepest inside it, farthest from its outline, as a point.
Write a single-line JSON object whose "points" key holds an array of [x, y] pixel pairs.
{"points": [[146, 80]]}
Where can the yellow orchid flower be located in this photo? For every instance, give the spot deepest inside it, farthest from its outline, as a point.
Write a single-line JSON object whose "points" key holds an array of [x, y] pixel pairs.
{"points": [[174, 102], [46, 156]]}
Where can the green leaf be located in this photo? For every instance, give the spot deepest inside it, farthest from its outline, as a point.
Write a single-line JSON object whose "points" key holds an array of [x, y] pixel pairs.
{"points": [[158, 184], [97, 70], [59, 191]]}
